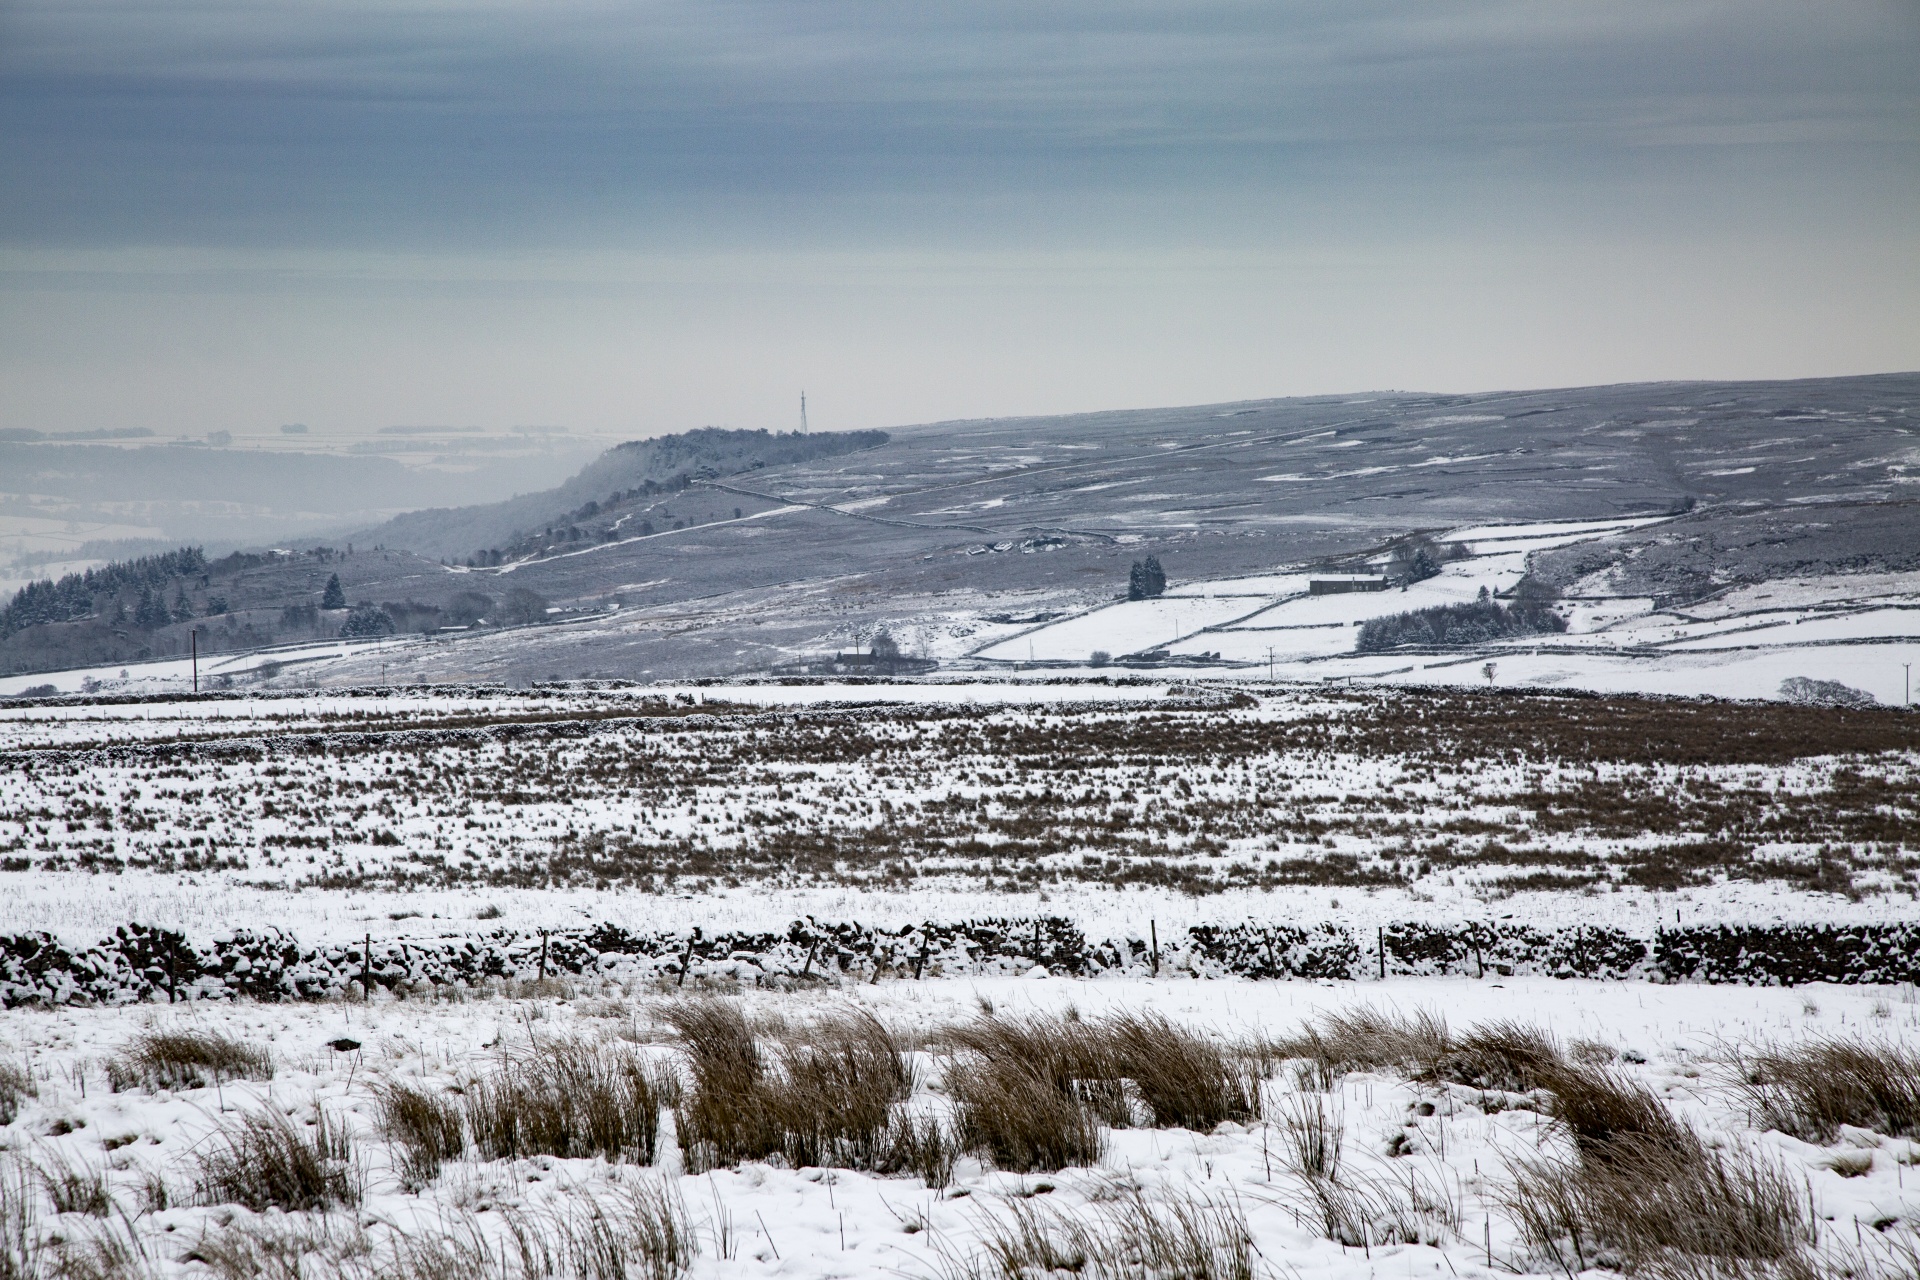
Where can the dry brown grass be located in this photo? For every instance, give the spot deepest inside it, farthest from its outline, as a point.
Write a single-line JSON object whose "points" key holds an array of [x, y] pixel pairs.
{"points": [[1652, 1209], [1809, 1090], [1367, 1040], [186, 1060], [1606, 1112], [1019, 1118], [424, 1124], [568, 1098], [823, 1092], [1129, 1237], [16, 1084], [266, 1160], [1184, 1079]]}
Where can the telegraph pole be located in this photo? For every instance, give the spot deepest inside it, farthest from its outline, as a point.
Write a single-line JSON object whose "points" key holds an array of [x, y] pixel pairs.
{"points": [[803, 413], [195, 633]]}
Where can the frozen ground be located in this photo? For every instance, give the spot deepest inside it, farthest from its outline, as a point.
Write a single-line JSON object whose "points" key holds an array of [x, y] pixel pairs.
{"points": [[1112, 803], [1459, 1150]]}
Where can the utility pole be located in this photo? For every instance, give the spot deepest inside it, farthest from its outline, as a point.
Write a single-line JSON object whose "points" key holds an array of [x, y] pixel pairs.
{"points": [[803, 413], [195, 634], [1269, 664], [1908, 667]]}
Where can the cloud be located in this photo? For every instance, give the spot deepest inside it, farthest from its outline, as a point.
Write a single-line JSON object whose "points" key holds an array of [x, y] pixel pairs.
{"points": [[303, 123]]}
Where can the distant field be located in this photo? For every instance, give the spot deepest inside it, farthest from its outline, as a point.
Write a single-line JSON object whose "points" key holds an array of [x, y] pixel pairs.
{"points": [[1438, 802]]}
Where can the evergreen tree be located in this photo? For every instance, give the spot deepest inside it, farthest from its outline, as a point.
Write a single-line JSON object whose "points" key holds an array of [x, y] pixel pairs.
{"points": [[1137, 582], [182, 610], [1156, 577], [333, 597], [150, 614]]}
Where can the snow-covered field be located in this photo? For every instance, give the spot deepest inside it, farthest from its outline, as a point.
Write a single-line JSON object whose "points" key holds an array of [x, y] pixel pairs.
{"points": [[1432, 1166], [1861, 630]]}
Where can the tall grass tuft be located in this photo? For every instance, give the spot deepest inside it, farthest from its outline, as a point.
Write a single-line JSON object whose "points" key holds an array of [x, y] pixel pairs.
{"points": [[1501, 1055], [186, 1060], [1019, 1118], [1135, 1236], [424, 1125], [15, 1084], [1651, 1209], [1357, 1210], [823, 1094], [565, 1098], [1184, 1079], [21, 1247], [1367, 1040], [1607, 1114], [267, 1161], [722, 1118], [833, 1089], [1809, 1090]]}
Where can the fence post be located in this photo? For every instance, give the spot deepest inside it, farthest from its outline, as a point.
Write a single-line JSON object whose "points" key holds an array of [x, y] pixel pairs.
{"points": [[1153, 931]]}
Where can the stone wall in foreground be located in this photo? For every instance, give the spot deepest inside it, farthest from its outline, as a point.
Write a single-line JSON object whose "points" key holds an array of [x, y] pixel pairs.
{"points": [[143, 963]]}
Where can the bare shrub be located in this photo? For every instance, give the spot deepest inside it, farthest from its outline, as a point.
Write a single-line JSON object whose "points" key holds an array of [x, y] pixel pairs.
{"points": [[1019, 1118], [567, 1098], [186, 1060], [266, 1161], [1131, 1236], [1184, 1079], [424, 1125], [1651, 1208], [1809, 1090], [15, 1084]]}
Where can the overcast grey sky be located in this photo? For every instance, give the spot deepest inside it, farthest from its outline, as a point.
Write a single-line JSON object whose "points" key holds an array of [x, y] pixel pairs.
{"points": [[648, 216]]}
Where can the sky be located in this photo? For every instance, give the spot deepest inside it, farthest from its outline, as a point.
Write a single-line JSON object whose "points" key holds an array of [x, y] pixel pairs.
{"points": [[628, 218]]}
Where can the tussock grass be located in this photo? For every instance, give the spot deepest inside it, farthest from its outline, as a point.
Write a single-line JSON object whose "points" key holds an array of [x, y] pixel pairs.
{"points": [[287, 1248], [823, 1094], [1367, 1040], [425, 1127], [1353, 1209], [1019, 1118], [722, 1118], [1502, 1055], [1184, 1079], [21, 1248], [1070, 1055], [1652, 1209], [16, 1085], [74, 1188], [186, 1060], [268, 1161], [919, 1145], [1607, 1113], [833, 1090], [1313, 1137], [1809, 1090], [563, 1098], [1125, 1238]]}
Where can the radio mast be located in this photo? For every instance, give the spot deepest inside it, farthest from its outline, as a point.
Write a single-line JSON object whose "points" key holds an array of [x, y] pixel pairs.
{"points": [[803, 413]]}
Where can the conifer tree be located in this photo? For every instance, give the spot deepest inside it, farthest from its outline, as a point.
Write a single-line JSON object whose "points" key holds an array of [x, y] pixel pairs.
{"points": [[333, 597]]}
